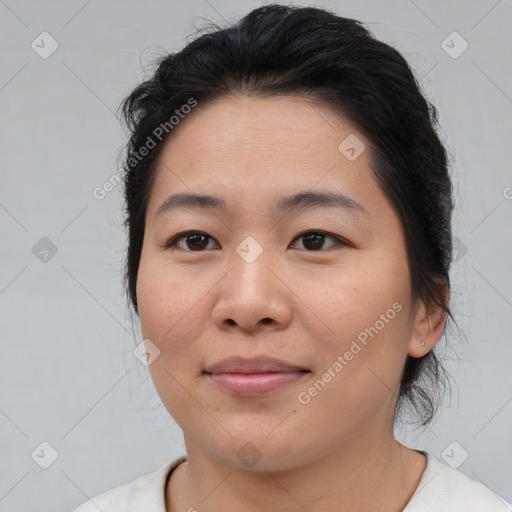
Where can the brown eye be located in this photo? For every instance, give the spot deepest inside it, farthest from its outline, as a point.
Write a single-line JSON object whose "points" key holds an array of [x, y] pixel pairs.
{"points": [[195, 241], [315, 240]]}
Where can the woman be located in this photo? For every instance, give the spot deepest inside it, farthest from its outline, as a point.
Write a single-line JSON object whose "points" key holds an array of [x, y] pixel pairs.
{"points": [[289, 211]]}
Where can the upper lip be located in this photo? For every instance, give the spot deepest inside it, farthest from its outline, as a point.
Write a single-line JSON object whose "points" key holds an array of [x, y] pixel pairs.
{"points": [[260, 364]]}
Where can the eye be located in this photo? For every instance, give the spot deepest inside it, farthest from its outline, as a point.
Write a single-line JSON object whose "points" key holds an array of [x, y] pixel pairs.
{"points": [[314, 240], [196, 241]]}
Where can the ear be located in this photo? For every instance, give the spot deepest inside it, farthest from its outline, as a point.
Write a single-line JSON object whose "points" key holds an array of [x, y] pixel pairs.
{"points": [[428, 325]]}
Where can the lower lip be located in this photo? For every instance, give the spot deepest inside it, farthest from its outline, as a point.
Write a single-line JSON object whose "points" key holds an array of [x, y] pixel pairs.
{"points": [[254, 384]]}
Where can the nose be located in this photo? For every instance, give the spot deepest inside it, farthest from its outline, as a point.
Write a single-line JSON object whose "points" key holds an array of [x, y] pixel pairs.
{"points": [[253, 296]]}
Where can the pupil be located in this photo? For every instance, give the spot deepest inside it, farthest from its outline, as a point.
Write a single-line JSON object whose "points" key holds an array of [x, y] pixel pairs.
{"points": [[195, 239], [316, 239]]}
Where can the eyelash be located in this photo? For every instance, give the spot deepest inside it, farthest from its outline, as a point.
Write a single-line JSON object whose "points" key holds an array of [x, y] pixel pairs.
{"points": [[171, 244]]}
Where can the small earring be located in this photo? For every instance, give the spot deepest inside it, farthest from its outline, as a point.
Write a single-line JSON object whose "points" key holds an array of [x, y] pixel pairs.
{"points": [[422, 343]]}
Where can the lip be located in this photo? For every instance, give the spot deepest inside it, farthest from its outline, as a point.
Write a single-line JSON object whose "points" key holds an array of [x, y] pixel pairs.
{"points": [[259, 364], [254, 384], [253, 377]]}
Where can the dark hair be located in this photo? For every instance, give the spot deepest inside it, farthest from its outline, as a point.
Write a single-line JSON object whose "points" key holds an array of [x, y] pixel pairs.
{"points": [[338, 63]]}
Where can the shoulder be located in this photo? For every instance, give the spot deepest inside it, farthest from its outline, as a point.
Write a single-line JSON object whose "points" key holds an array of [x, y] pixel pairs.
{"points": [[444, 488], [144, 493]]}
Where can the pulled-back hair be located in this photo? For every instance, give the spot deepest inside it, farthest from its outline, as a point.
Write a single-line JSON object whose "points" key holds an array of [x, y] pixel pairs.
{"points": [[338, 63]]}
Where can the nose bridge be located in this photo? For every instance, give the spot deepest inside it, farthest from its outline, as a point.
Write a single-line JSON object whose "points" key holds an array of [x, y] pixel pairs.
{"points": [[250, 265], [250, 250]]}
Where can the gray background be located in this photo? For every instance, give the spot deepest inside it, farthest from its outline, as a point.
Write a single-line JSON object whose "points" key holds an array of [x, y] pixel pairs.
{"points": [[68, 375]]}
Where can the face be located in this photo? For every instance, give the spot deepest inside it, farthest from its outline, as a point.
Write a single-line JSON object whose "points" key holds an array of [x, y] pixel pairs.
{"points": [[321, 286]]}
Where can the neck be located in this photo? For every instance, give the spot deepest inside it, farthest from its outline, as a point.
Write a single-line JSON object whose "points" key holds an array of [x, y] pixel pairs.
{"points": [[384, 473]]}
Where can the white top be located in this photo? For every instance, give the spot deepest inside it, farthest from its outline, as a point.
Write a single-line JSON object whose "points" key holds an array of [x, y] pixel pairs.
{"points": [[441, 489]]}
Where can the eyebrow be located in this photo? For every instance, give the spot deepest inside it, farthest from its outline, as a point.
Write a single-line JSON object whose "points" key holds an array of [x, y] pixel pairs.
{"points": [[302, 200]]}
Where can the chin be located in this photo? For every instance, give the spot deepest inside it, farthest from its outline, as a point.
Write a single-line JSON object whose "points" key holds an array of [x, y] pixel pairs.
{"points": [[260, 452]]}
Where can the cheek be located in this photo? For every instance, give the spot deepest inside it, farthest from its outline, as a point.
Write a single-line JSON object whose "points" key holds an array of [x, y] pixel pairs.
{"points": [[363, 314], [169, 309], [351, 300], [360, 370]]}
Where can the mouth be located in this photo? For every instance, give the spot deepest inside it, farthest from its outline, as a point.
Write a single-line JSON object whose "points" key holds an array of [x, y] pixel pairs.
{"points": [[253, 377], [259, 364], [254, 384]]}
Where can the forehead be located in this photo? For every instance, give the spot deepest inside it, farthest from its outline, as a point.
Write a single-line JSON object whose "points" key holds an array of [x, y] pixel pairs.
{"points": [[281, 124], [239, 147]]}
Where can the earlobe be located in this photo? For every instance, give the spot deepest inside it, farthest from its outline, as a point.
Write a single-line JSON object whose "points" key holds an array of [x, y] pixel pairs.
{"points": [[418, 350]]}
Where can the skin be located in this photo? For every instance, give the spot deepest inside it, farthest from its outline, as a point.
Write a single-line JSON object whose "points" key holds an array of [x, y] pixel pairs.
{"points": [[293, 303]]}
